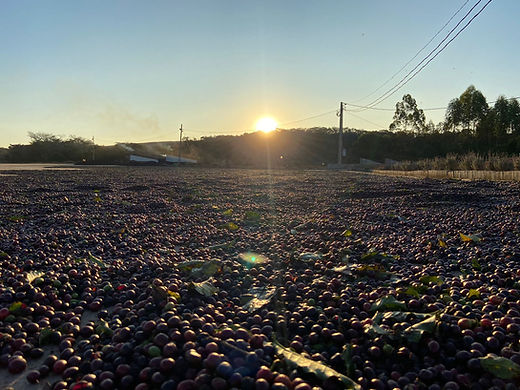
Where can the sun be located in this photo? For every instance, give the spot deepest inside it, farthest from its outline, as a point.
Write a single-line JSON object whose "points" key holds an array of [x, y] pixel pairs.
{"points": [[266, 124]]}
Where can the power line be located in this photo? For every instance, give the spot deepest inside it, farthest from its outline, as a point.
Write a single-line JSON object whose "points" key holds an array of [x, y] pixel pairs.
{"points": [[351, 112], [308, 118], [211, 131], [368, 108], [388, 108], [366, 120], [410, 75], [377, 101], [416, 54], [424, 109], [252, 130]]}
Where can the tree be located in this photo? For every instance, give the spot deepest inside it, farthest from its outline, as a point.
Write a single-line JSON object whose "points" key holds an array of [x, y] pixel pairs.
{"points": [[514, 115], [467, 111], [506, 116], [501, 117], [408, 117], [43, 137]]}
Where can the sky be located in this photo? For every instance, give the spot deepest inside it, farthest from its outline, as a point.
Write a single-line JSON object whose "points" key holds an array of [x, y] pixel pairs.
{"points": [[133, 71]]}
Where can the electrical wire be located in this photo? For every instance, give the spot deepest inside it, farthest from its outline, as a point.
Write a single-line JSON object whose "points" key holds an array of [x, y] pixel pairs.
{"points": [[388, 108], [410, 75], [252, 130], [416, 54], [424, 109], [351, 112], [308, 118], [366, 120]]}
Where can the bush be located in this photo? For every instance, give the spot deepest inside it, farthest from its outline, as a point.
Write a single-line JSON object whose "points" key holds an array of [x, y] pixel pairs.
{"points": [[469, 161], [472, 161], [498, 162], [406, 166], [452, 162], [516, 162]]}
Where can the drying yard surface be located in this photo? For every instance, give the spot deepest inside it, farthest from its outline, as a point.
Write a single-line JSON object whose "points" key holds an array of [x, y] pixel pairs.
{"points": [[159, 278]]}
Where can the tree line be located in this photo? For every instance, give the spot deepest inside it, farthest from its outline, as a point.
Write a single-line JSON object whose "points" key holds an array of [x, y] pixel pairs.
{"points": [[471, 125], [50, 148]]}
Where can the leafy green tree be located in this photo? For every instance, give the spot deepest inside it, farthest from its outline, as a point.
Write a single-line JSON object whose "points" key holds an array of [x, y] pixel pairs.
{"points": [[467, 111], [501, 117], [514, 115], [506, 116], [408, 117]]}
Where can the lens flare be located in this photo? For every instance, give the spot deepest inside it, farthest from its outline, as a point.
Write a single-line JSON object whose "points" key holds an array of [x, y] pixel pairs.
{"points": [[250, 259]]}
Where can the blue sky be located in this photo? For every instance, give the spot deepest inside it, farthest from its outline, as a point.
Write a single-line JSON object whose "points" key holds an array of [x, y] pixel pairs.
{"points": [[135, 70]]}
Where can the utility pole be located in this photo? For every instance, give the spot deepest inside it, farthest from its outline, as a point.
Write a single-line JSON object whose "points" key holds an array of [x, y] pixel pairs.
{"points": [[340, 141], [180, 143], [93, 149]]}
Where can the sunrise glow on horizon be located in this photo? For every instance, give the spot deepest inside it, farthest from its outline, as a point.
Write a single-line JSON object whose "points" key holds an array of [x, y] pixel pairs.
{"points": [[129, 71], [266, 124]]}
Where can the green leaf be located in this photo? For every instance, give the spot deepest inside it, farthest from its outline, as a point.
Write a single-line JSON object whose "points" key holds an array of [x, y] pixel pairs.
{"points": [[415, 332], [345, 269], [208, 269], [388, 303], [252, 216], [374, 330], [398, 316], [347, 233], [201, 268], [446, 298], [16, 218], [431, 279], [205, 288], [15, 307], [103, 330], [346, 354], [257, 298], [470, 237], [376, 271], [224, 245], [412, 292], [95, 260], [500, 367], [476, 264], [175, 295], [375, 256], [309, 256], [472, 293], [228, 212], [187, 266], [369, 256], [45, 335], [320, 370], [230, 226]]}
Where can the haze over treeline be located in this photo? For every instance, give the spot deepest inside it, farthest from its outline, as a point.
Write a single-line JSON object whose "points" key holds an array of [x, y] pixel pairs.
{"points": [[470, 125]]}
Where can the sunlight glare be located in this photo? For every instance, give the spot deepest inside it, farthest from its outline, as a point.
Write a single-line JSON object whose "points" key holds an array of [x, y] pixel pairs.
{"points": [[266, 124]]}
